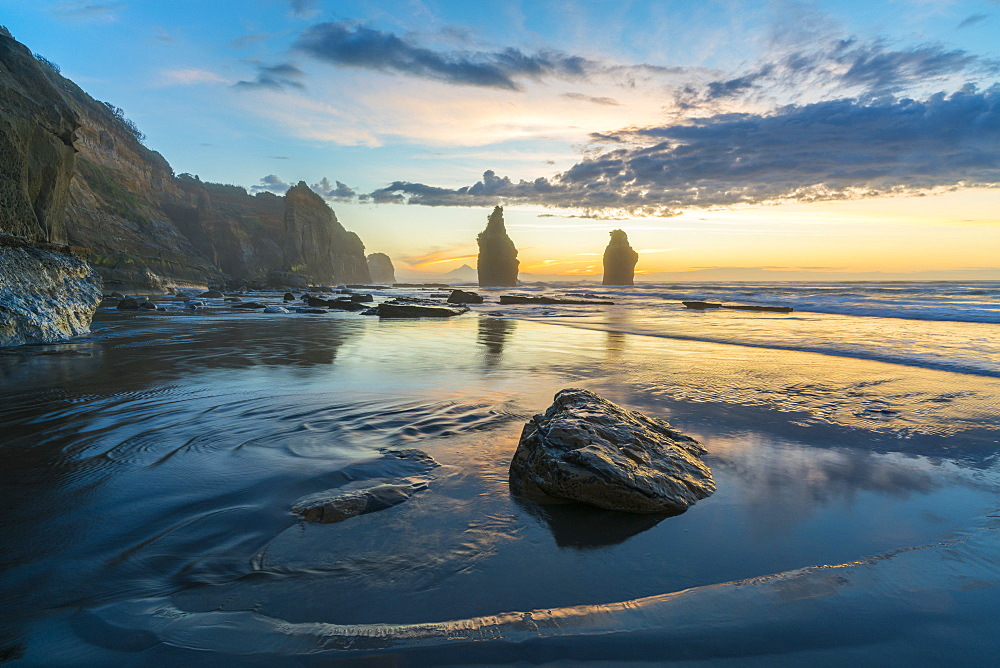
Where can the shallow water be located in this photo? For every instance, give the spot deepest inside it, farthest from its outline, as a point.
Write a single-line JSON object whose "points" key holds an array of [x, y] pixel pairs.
{"points": [[149, 472]]}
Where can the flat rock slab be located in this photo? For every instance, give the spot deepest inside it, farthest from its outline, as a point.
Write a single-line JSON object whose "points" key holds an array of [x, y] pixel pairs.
{"points": [[386, 310], [356, 498], [587, 449], [404, 472], [519, 299]]}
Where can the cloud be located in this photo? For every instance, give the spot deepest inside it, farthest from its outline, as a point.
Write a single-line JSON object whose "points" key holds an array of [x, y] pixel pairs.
{"points": [[274, 77], [836, 149], [271, 184], [973, 20], [340, 192], [189, 77], [358, 46], [163, 36], [102, 12], [304, 8], [839, 66], [595, 100]]}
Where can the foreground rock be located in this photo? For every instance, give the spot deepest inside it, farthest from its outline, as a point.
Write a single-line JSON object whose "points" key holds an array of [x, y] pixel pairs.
{"points": [[587, 449], [381, 269], [46, 295], [398, 309], [518, 299], [463, 297], [619, 260], [353, 499], [408, 471], [497, 255]]}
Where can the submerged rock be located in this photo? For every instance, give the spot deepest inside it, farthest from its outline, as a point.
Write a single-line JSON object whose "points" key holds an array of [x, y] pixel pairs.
{"points": [[409, 469], [619, 260], [587, 449], [381, 269], [497, 255], [463, 297], [275, 309], [353, 499]]}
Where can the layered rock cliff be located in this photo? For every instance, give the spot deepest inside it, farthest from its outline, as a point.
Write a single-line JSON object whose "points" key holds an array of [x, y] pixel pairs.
{"points": [[381, 269], [316, 244], [497, 255], [619, 260], [37, 157], [146, 227]]}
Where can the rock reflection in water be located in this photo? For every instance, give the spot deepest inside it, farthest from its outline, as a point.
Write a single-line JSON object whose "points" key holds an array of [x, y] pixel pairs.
{"points": [[580, 526], [493, 334]]}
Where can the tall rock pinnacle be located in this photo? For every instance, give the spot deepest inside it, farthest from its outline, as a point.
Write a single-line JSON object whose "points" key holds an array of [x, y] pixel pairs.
{"points": [[497, 254], [619, 260]]}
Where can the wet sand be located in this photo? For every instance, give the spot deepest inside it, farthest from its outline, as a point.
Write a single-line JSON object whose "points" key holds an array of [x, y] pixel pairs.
{"points": [[149, 472]]}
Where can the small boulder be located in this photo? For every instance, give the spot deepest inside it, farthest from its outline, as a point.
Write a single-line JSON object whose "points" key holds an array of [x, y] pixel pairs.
{"points": [[128, 304], [233, 299], [276, 309], [147, 306], [587, 449], [249, 305], [213, 294], [117, 295], [463, 297], [289, 297]]}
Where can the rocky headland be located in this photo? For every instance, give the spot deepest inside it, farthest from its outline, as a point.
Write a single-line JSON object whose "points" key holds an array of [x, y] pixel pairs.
{"points": [[619, 260], [497, 255], [74, 171]]}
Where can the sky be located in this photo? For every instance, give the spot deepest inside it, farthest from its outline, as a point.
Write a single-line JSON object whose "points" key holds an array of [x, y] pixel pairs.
{"points": [[730, 140]]}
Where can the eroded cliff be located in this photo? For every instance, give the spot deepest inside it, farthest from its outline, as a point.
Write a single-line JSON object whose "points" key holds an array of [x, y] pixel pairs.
{"points": [[37, 157], [381, 269]]}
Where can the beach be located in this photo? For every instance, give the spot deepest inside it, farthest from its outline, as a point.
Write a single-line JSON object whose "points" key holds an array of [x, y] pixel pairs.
{"points": [[150, 468]]}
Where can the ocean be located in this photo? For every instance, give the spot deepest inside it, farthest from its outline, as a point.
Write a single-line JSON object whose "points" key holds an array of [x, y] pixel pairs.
{"points": [[150, 468]]}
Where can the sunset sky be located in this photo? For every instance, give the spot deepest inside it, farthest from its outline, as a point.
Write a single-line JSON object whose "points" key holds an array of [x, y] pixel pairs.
{"points": [[731, 140]]}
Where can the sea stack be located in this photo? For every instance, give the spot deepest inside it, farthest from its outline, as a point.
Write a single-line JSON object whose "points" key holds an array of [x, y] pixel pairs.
{"points": [[619, 260], [381, 269], [497, 255]]}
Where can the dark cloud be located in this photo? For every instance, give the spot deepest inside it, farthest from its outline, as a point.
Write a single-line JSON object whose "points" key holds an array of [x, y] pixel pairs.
{"points": [[848, 66], [358, 46], [275, 77], [304, 8], [340, 192], [609, 101], [837, 149], [271, 184], [973, 20]]}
